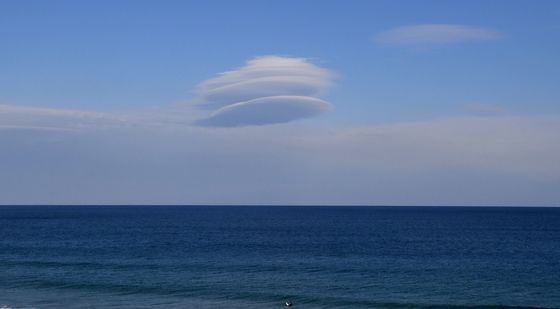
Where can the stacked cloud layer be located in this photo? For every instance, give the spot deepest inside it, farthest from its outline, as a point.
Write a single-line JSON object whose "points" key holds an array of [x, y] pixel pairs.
{"points": [[266, 90]]}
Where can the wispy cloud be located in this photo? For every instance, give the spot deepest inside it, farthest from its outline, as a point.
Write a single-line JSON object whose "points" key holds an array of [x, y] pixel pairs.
{"points": [[266, 90], [13, 117], [435, 34]]}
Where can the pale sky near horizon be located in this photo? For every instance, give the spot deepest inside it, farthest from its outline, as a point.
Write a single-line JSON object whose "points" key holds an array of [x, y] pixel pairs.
{"points": [[280, 102]]}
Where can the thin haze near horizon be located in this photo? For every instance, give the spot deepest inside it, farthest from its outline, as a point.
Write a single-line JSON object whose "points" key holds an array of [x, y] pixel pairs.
{"points": [[280, 102]]}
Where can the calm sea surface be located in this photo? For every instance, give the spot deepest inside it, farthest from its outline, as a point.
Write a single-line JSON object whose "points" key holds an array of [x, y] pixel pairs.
{"points": [[259, 257]]}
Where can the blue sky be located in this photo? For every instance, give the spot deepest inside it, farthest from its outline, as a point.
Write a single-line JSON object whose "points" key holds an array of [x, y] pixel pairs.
{"points": [[473, 81]]}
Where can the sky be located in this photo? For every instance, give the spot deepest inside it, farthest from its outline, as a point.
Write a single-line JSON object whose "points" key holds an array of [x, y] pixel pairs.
{"points": [[280, 102]]}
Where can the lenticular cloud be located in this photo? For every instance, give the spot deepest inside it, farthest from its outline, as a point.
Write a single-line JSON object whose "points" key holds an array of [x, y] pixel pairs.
{"points": [[266, 90]]}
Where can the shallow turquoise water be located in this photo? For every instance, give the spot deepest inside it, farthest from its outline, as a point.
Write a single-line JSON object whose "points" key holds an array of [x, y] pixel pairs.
{"points": [[258, 257]]}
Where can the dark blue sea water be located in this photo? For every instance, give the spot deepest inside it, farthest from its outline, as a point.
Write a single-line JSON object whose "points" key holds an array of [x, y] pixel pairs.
{"points": [[258, 257]]}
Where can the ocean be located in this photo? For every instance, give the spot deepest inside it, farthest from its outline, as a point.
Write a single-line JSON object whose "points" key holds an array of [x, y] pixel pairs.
{"points": [[260, 257]]}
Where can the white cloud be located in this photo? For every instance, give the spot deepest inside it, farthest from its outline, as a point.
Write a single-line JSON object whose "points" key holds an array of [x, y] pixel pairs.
{"points": [[434, 34], [293, 82], [266, 90], [266, 110], [13, 117]]}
